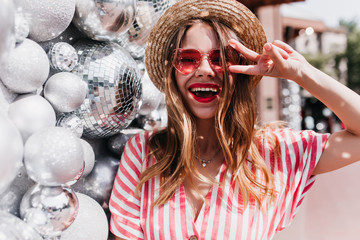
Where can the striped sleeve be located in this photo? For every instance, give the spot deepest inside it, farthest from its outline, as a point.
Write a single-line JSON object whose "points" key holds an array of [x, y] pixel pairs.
{"points": [[124, 204], [300, 151]]}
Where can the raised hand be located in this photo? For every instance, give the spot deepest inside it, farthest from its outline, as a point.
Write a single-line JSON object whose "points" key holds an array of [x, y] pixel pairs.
{"points": [[277, 60]]}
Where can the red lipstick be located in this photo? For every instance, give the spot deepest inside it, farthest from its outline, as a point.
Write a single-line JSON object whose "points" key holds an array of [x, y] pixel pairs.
{"points": [[204, 92]]}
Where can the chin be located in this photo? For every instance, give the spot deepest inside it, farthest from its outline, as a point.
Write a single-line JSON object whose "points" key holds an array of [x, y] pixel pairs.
{"points": [[204, 116]]}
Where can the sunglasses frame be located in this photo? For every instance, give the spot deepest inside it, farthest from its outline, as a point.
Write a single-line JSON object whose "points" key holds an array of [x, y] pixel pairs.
{"points": [[199, 58]]}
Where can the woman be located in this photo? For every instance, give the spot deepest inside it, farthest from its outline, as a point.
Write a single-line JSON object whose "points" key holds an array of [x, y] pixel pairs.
{"points": [[212, 173]]}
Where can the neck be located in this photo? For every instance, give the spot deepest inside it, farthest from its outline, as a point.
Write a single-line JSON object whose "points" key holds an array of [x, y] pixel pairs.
{"points": [[207, 140]]}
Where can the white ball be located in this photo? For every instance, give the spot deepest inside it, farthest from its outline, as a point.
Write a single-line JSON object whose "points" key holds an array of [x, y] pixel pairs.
{"points": [[89, 157], [26, 68], [13, 227], [11, 152], [90, 223], [6, 97], [53, 156], [7, 21], [65, 91], [31, 113], [22, 28], [151, 96], [48, 19]]}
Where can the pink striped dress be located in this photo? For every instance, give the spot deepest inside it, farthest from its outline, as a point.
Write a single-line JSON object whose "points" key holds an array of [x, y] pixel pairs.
{"points": [[222, 215]]}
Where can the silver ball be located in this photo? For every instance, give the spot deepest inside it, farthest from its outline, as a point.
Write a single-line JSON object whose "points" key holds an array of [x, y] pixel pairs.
{"points": [[31, 113], [72, 122], [104, 20], [48, 20], [98, 184], [117, 143], [53, 156], [65, 91], [63, 57], [91, 217], [152, 121], [11, 152], [114, 88], [13, 228], [26, 68], [147, 14], [151, 96], [49, 210]]}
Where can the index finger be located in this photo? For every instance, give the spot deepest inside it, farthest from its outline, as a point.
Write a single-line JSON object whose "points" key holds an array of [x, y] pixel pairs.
{"points": [[246, 52]]}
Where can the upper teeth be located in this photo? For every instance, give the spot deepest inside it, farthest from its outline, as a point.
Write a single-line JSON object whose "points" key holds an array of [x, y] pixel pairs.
{"points": [[203, 89]]}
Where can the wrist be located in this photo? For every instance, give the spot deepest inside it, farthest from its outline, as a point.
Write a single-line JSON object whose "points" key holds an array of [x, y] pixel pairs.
{"points": [[307, 75]]}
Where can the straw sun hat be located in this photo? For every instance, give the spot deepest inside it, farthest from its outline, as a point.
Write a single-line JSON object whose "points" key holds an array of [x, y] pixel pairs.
{"points": [[230, 12]]}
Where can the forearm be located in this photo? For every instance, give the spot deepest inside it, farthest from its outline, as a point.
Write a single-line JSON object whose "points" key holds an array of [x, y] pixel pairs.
{"points": [[281, 60], [344, 102]]}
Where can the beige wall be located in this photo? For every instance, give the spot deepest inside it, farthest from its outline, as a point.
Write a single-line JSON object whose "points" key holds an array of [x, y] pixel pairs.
{"points": [[268, 89]]}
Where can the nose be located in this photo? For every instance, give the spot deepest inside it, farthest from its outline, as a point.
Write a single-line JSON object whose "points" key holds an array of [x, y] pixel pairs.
{"points": [[204, 69]]}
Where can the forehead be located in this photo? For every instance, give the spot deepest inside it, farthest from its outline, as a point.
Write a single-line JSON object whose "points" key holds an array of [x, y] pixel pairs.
{"points": [[198, 36]]}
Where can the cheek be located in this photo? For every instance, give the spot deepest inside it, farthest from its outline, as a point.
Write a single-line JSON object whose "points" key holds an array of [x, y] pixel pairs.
{"points": [[181, 80]]}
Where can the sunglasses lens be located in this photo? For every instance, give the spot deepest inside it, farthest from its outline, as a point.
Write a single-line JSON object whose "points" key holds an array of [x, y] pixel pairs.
{"points": [[215, 60], [187, 60]]}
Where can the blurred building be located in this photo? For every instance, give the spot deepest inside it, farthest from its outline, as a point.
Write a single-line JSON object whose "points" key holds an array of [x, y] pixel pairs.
{"points": [[331, 209], [280, 99], [319, 43]]}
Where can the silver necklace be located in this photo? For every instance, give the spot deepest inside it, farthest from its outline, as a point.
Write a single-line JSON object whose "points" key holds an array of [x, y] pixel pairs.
{"points": [[205, 162]]}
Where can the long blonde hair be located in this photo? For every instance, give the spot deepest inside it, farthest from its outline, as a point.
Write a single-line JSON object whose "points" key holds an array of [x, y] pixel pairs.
{"points": [[235, 120]]}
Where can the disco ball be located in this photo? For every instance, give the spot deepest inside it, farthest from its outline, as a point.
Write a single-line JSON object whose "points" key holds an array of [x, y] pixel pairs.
{"points": [[147, 14], [72, 122], [62, 57], [114, 87]]}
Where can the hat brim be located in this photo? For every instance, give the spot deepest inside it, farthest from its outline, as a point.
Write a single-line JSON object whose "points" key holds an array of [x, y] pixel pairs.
{"points": [[230, 12]]}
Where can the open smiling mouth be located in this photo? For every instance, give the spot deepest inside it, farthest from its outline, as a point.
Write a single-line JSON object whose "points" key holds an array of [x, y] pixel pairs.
{"points": [[204, 93]]}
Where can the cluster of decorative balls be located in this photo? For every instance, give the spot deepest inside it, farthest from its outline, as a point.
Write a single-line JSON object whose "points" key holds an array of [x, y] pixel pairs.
{"points": [[44, 81]]}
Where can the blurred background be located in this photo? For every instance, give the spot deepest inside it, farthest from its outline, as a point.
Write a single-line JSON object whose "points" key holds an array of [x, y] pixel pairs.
{"points": [[74, 89], [327, 34]]}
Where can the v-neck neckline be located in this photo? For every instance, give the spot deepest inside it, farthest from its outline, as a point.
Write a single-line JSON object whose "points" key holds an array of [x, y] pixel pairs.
{"points": [[207, 197]]}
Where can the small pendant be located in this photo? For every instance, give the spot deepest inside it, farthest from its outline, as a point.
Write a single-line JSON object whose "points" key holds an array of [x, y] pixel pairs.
{"points": [[204, 164]]}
